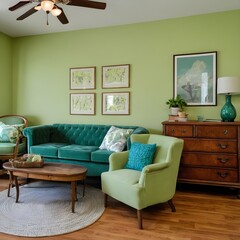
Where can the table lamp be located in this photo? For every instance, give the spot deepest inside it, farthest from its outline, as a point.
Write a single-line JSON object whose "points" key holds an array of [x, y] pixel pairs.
{"points": [[228, 86]]}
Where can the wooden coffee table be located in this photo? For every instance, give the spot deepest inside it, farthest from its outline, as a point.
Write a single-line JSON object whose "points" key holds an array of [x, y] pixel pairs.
{"points": [[51, 172]]}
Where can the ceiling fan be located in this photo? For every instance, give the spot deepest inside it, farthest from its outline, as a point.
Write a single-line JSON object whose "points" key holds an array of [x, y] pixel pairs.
{"points": [[51, 6]]}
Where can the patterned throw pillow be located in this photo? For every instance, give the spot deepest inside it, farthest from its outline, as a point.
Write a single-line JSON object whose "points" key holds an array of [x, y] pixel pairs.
{"points": [[140, 155], [115, 139], [10, 133]]}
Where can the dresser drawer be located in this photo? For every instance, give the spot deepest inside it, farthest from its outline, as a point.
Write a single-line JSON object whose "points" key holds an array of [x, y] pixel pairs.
{"points": [[229, 132], [208, 174], [208, 145], [179, 131], [211, 160]]}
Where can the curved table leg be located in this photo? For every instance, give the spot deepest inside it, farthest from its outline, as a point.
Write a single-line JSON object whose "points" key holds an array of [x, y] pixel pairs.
{"points": [[17, 188], [83, 187], [73, 184], [10, 184]]}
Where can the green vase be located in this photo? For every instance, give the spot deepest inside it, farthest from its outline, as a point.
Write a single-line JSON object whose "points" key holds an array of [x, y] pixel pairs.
{"points": [[228, 112]]}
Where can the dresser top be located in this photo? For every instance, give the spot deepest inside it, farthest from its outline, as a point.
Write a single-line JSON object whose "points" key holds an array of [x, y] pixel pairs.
{"points": [[194, 122]]}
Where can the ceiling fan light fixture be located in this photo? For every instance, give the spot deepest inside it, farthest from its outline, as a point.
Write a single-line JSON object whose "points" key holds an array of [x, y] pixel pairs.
{"points": [[47, 5], [56, 11], [38, 7]]}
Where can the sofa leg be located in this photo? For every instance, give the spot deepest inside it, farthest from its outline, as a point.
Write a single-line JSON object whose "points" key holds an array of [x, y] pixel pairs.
{"points": [[105, 200], [139, 215], [170, 203]]}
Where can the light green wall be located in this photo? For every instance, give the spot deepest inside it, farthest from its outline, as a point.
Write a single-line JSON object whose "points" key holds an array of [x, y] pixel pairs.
{"points": [[5, 74], [41, 67]]}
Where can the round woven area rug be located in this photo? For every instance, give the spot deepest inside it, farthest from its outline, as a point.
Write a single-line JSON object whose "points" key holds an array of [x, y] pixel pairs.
{"points": [[44, 209]]}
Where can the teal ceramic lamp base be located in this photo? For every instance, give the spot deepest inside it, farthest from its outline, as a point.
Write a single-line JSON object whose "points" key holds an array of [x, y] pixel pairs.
{"points": [[228, 112]]}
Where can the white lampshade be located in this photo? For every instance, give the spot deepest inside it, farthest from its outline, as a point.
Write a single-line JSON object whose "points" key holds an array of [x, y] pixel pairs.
{"points": [[56, 11], [228, 85], [47, 5]]}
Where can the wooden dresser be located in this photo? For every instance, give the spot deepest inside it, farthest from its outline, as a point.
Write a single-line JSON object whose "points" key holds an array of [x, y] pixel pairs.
{"points": [[211, 152]]}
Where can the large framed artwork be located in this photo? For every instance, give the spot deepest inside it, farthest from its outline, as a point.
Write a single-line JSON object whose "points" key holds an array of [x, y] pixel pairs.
{"points": [[117, 103], [82, 78], [82, 103], [116, 76], [195, 78]]}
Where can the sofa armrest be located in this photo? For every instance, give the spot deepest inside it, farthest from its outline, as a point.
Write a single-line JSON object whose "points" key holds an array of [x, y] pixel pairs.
{"points": [[37, 135], [138, 130]]}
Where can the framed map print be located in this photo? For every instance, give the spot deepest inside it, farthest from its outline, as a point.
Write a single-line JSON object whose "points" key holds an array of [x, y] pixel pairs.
{"points": [[82, 78], [116, 76], [115, 103], [82, 103], [195, 78]]}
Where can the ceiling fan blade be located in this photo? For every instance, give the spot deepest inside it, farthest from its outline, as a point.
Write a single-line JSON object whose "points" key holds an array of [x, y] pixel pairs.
{"points": [[87, 3], [18, 5], [62, 17], [27, 14]]}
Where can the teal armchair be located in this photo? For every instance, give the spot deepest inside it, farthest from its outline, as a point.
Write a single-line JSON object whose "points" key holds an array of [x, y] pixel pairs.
{"points": [[12, 141], [156, 183]]}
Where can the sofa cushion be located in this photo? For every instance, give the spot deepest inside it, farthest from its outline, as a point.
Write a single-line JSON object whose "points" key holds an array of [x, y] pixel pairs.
{"points": [[101, 156], [116, 139], [47, 149], [76, 152]]}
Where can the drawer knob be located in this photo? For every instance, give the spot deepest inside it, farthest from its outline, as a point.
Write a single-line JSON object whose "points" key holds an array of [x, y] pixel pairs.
{"points": [[184, 131], [225, 132], [223, 160], [222, 174], [173, 130], [222, 146]]}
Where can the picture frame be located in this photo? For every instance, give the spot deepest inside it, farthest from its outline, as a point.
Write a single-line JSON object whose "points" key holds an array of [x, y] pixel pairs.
{"points": [[195, 78], [82, 78], [116, 76], [82, 103], [116, 103]]}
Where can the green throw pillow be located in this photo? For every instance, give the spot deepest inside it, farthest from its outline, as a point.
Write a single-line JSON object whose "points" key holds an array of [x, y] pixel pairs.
{"points": [[140, 155], [10, 133], [116, 139]]}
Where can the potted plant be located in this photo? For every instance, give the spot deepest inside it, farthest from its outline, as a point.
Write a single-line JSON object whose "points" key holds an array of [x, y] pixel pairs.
{"points": [[176, 104]]}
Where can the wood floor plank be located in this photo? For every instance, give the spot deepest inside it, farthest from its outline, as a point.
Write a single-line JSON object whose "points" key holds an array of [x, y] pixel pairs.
{"points": [[202, 213]]}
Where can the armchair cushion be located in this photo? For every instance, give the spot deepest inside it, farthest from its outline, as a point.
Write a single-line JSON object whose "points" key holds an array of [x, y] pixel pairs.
{"points": [[8, 148], [140, 155], [116, 139]]}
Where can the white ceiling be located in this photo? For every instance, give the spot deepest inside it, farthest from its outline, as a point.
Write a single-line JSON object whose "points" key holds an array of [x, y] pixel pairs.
{"points": [[117, 12]]}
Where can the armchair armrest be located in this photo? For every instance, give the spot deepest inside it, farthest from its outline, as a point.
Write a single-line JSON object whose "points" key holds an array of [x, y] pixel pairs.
{"points": [[118, 160], [153, 173], [154, 167]]}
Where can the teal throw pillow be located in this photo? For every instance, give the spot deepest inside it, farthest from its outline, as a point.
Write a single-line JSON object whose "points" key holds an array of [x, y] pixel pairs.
{"points": [[140, 155]]}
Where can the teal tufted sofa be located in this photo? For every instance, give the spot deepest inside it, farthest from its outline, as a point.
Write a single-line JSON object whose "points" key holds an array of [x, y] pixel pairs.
{"points": [[73, 144]]}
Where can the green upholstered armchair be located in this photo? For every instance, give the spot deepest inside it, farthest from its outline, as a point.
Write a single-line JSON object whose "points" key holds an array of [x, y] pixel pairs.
{"points": [[12, 142], [156, 183]]}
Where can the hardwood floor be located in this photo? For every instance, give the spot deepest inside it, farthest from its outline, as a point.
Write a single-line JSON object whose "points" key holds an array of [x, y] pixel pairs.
{"points": [[203, 213]]}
